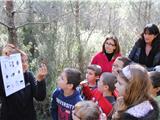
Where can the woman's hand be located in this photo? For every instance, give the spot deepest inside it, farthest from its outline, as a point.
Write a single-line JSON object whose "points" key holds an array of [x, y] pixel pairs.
{"points": [[42, 72], [7, 50]]}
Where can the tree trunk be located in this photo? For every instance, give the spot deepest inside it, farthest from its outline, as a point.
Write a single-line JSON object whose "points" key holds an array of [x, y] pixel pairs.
{"points": [[80, 47], [10, 22]]}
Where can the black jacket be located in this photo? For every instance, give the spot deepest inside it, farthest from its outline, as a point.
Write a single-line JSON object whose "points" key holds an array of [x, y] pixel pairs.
{"points": [[19, 105], [138, 55]]}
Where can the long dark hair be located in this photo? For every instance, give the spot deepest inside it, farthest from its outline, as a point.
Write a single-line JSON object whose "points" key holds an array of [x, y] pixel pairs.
{"points": [[151, 29]]}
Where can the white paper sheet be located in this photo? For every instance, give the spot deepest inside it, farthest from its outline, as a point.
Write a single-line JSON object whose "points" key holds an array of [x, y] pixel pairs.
{"points": [[12, 73]]}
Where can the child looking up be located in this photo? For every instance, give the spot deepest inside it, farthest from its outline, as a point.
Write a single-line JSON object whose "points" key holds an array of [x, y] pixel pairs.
{"points": [[66, 96]]}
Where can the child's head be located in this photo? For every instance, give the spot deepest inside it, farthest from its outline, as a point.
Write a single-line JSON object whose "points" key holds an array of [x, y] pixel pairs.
{"points": [[86, 110], [70, 78], [120, 63], [107, 82], [155, 80], [133, 84], [93, 72]]}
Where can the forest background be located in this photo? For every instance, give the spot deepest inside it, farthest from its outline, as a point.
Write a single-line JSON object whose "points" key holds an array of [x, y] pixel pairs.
{"points": [[67, 33]]}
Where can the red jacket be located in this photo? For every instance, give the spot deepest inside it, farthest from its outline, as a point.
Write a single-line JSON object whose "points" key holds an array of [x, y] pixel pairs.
{"points": [[104, 104], [101, 60]]}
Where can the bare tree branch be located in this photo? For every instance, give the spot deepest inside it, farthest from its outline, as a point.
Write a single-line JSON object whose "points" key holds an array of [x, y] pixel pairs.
{"points": [[72, 8], [31, 23], [95, 22], [20, 5], [8, 26]]}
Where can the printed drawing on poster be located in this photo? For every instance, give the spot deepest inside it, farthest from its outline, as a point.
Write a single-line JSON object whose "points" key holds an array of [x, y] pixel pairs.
{"points": [[12, 72]]}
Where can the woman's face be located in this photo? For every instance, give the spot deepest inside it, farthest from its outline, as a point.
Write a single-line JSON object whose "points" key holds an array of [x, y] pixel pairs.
{"points": [[110, 46], [149, 37], [121, 85], [25, 64]]}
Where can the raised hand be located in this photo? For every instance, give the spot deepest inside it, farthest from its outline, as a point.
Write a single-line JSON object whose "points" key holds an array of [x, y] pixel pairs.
{"points": [[42, 72], [7, 50], [84, 83]]}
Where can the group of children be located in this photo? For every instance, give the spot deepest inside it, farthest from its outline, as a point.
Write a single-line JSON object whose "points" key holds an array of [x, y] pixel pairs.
{"points": [[71, 89], [130, 92], [118, 95]]}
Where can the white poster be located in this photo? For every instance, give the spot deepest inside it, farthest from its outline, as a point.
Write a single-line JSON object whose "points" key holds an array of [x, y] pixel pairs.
{"points": [[12, 73]]}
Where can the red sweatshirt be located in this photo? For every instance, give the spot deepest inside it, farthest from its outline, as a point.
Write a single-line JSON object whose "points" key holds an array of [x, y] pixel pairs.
{"points": [[104, 104], [102, 60]]}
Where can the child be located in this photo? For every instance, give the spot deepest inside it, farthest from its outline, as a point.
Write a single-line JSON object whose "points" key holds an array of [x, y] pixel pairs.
{"points": [[155, 88], [92, 76], [120, 63], [155, 79], [66, 96], [135, 103], [86, 110], [19, 105], [106, 85], [104, 94]]}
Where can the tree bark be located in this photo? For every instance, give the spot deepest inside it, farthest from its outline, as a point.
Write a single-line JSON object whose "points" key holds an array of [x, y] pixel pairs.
{"points": [[10, 22], [80, 47]]}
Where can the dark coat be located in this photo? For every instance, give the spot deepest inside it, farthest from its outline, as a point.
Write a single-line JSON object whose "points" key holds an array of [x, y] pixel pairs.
{"points": [[19, 105]]}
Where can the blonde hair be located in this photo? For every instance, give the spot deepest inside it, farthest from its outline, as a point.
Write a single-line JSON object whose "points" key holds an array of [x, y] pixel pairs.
{"points": [[138, 86], [87, 110]]}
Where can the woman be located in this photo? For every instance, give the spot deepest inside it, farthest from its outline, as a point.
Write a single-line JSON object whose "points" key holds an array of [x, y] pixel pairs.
{"points": [[110, 51], [146, 50], [134, 102], [19, 105]]}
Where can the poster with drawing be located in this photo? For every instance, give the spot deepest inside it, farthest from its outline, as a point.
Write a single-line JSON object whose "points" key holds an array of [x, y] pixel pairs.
{"points": [[12, 73]]}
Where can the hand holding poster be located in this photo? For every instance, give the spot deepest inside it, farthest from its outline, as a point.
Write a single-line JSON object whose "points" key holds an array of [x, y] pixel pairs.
{"points": [[12, 73]]}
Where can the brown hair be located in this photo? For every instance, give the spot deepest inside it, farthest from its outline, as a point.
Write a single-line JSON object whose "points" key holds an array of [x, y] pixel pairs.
{"points": [[114, 38], [137, 89], [126, 61], [96, 68], [110, 80], [155, 78], [73, 76], [14, 50], [138, 86]]}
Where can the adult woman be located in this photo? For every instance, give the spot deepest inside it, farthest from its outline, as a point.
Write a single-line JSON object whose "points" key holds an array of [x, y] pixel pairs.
{"points": [[134, 102], [110, 51], [146, 50], [19, 105]]}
